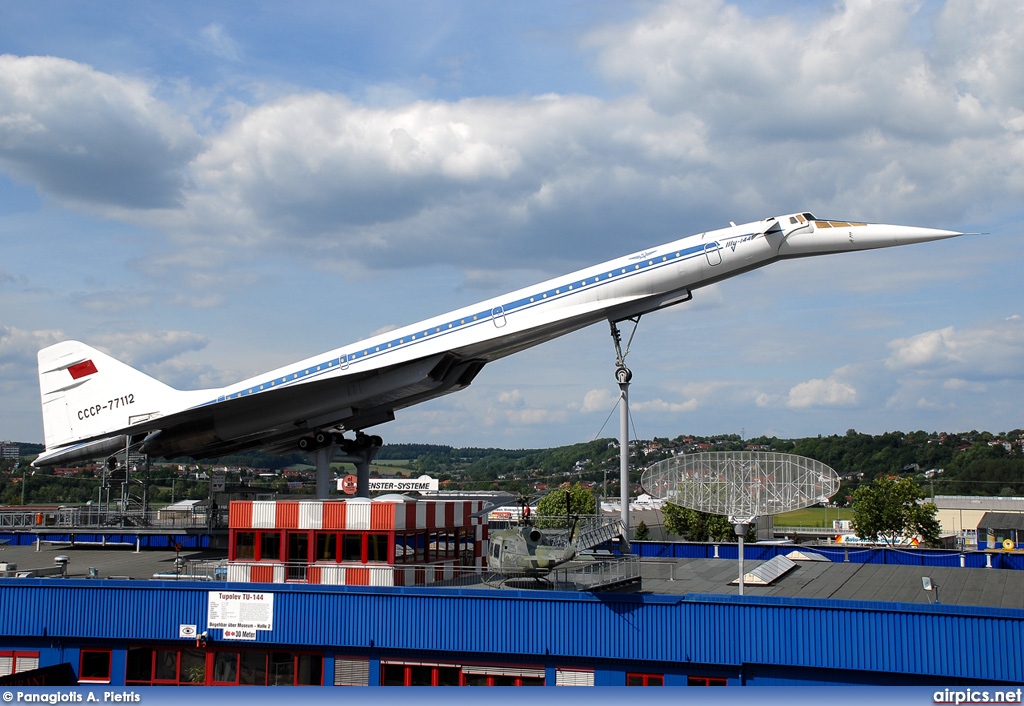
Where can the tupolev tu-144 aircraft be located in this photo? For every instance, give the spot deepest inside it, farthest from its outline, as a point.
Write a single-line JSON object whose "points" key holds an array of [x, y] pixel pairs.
{"points": [[94, 405]]}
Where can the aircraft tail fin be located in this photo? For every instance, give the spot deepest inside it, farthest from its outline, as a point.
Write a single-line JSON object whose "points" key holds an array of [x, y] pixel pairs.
{"points": [[87, 394]]}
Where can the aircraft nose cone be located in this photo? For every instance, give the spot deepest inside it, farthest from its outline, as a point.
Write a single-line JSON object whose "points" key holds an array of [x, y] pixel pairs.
{"points": [[841, 236], [905, 235]]}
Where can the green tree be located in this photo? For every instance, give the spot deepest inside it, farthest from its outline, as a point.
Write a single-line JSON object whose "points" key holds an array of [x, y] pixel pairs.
{"points": [[581, 502], [642, 532], [697, 526], [890, 508]]}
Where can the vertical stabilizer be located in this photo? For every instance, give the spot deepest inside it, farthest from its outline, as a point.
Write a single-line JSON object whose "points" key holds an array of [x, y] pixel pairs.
{"points": [[87, 394]]}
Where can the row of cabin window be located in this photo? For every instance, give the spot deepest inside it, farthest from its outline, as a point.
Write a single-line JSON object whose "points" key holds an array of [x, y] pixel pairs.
{"points": [[310, 546]]}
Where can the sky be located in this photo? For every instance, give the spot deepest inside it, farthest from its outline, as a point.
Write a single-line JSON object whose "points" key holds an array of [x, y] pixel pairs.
{"points": [[209, 190]]}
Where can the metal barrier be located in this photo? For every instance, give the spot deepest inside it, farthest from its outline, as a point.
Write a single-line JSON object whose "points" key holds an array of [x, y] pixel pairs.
{"points": [[89, 517], [834, 552], [599, 574]]}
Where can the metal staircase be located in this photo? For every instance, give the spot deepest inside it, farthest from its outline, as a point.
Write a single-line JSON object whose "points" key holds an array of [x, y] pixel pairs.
{"points": [[597, 532]]}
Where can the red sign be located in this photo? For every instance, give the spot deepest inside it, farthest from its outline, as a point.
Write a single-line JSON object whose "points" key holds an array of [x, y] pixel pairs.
{"points": [[349, 484]]}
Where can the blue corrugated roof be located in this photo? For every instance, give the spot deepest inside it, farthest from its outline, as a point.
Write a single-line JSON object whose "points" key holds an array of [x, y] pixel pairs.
{"points": [[948, 642]]}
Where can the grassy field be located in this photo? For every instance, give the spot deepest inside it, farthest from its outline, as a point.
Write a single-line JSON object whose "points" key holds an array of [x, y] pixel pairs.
{"points": [[813, 517]]}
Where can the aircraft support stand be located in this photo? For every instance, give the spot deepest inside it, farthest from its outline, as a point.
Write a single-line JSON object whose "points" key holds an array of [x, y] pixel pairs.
{"points": [[359, 452], [622, 376], [624, 456], [322, 459]]}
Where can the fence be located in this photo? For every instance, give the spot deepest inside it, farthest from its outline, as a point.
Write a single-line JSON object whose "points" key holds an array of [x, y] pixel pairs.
{"points": [[858, 555], [103, 517]]}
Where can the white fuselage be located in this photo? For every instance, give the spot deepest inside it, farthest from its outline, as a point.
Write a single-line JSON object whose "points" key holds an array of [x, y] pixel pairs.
{"points": [[613, 290], [91, 401]]}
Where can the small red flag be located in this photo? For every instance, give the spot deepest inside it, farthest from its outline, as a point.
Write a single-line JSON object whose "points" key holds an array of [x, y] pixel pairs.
{"points": [[80, 370]]}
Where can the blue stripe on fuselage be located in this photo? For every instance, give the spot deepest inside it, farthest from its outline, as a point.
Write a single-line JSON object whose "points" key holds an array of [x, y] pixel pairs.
{"points": [[542, 297]]}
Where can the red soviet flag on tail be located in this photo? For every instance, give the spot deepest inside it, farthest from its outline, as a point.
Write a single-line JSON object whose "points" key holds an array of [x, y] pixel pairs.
{"points": [[80, 370]]}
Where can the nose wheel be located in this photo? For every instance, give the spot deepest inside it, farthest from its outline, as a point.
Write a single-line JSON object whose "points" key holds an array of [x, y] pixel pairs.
{"points": [[622, 374]]}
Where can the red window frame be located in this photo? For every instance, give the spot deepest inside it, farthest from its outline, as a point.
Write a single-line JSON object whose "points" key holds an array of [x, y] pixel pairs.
{"points": [[249, 661], [706, 681], [262, 544], [325, 546], [235, 534], [413, 674], [292, 540], [96, 678], [500, 680], [450, 674], [163, 652], [643, 679]]}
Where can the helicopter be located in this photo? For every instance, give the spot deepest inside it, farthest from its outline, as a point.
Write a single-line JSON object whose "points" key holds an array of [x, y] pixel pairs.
{"points": [[525, 550]]}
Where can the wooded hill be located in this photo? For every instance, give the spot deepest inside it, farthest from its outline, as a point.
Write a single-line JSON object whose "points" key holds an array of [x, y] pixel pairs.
{"points": [[971, 463]]}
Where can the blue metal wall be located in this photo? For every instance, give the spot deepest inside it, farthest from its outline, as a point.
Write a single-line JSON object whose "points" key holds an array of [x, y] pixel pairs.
{"points": [[759, 638]]}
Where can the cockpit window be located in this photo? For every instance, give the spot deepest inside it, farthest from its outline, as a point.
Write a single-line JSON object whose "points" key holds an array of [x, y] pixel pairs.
{"points": [[837, 224]]}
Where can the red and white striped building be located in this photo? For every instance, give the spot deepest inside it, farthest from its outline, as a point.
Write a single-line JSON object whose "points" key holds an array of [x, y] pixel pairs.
{"points": [[393, 541]]}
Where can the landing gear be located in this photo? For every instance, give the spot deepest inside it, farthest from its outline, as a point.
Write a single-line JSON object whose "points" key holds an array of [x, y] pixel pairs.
{"points": [[316, 441], [324, 447], [622, 373]]}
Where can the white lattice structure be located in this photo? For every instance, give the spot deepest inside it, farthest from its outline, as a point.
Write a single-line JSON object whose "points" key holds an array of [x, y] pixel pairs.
{"points": [[741, 484]]}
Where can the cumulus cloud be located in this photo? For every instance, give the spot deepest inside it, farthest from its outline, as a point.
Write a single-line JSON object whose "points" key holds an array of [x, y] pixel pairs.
{"points": [[18, 349], [511, 181], [506, 181], [512, 399], [429, 181], [110, 301], [819, 392], [511, 409], [91, 138], [890, 110], [988, 350], [659, 405], [163, 355], [142, 349], [850, 69], [599, 400]]}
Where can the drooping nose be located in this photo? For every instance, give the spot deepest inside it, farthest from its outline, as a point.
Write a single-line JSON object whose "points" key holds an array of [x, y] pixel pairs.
{"points": [[820, 237]]}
